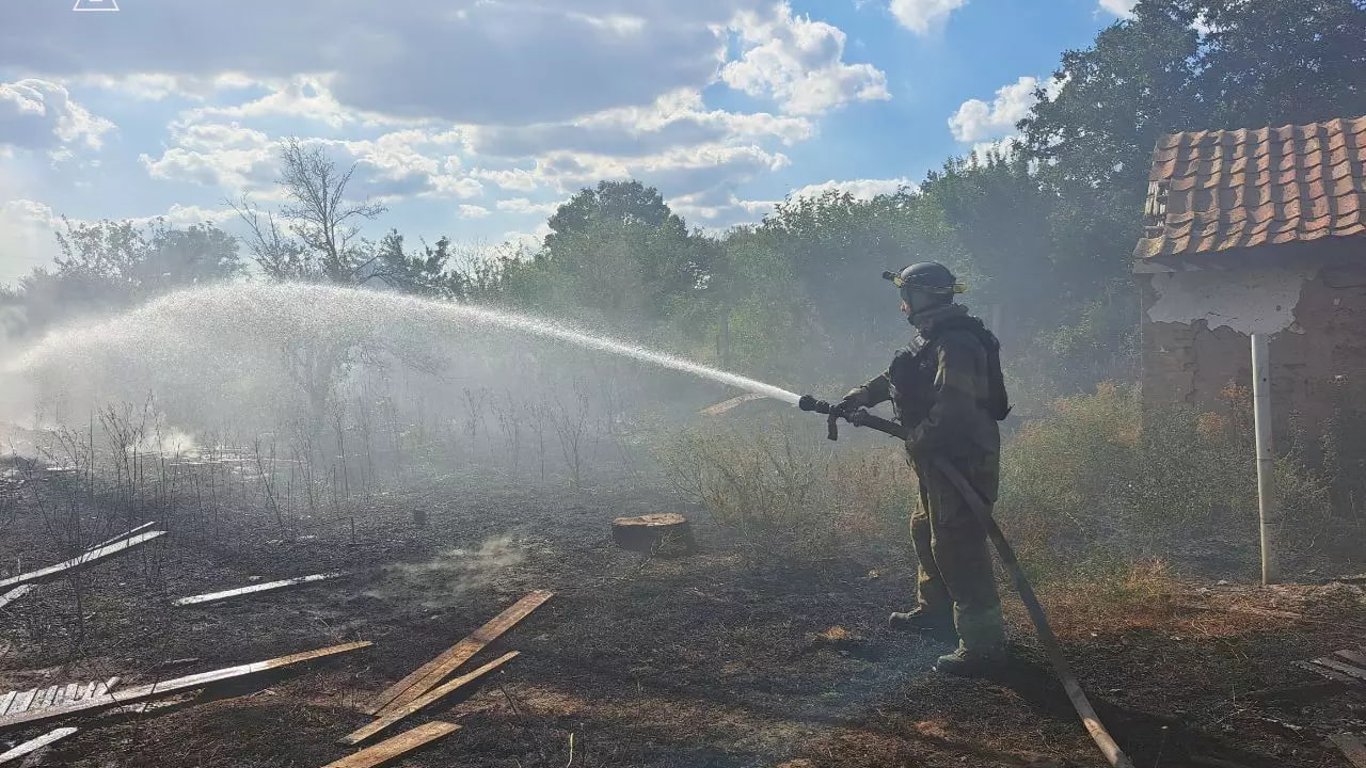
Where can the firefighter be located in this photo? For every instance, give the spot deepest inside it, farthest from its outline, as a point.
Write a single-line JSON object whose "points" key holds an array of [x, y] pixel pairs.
{"points": [[947, 390]]}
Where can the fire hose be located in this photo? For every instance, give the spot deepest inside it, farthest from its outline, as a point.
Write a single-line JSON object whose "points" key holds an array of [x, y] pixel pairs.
{"points": [[862, 418]]}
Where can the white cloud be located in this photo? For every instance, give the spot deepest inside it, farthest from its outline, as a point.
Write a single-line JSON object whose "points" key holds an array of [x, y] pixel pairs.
{"points": [[26, 238], [863, 189], [922, 16], [525, 206], [799, 63], [675, 119], [1121, 8], [159, 86], [473, 212], [40, 114], [392, 166], [976, 120], [515, 179], [482, 62], [1004, 146]]}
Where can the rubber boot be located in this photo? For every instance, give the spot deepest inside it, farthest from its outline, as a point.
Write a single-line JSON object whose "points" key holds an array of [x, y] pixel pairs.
{"points": [[921, 620], [966, 663]]}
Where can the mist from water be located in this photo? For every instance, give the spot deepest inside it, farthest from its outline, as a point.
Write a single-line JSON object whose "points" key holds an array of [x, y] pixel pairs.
{"points": [[212, 342]]}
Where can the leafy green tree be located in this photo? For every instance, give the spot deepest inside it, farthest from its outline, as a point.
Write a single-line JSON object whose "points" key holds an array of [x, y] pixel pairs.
{"points": [[425, 273], [108, 265]]}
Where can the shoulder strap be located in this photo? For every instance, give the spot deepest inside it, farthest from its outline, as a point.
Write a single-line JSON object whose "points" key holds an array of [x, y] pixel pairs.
{"points": [[998, 401]]}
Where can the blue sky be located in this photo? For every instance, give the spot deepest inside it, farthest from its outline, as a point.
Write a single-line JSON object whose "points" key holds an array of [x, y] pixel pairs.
{"points": [[474, 118]]}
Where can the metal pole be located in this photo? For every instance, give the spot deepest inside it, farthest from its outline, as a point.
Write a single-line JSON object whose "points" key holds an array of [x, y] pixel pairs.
{"points": [[1269, 512]]}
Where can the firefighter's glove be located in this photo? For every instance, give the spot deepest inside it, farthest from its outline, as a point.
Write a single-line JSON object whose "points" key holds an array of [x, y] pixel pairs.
{"points": [[853, 401]]}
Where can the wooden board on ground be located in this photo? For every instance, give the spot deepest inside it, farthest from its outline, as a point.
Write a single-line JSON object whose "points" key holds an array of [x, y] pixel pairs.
{"points": [[31, 746], [1328, 673], [426, 699], [1352, 747], [168, 687], [429, 675], [213, 597], [125, 534], [400, 745], [659, 533], [14, 594], [1347, 669], [83, 561], [15, 702], [1358, 659]]}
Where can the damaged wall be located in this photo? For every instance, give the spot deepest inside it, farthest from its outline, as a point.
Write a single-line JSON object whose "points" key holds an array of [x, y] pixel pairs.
{"points": [[1196, 328]]}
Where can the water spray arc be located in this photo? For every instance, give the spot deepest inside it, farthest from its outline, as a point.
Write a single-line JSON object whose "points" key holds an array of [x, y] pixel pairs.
{"points": [[304, 305]]}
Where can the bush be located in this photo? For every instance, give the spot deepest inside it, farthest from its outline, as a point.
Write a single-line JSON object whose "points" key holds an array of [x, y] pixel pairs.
{"points": [[783, 492], [1097, 477]]}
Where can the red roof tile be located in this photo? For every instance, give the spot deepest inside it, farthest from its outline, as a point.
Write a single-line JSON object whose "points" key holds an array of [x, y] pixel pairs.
{"points": [[1212, 191]]}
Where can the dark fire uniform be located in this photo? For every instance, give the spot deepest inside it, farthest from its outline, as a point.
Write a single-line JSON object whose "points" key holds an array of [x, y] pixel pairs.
{"points": [[940, 388]]}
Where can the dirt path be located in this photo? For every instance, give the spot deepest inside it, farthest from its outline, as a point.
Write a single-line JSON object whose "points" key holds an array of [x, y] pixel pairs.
{"points": [[718, 659]]}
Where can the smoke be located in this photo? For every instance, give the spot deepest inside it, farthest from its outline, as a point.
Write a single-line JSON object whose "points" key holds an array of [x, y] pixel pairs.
{"points": [[440, 582]]}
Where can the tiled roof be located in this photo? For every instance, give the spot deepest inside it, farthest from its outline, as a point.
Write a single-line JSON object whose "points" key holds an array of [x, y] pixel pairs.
{"points": [[1213, 191]]}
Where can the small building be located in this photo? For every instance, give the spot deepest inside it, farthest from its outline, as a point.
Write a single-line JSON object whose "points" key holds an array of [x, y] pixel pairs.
{"points": [[1257, 231]]}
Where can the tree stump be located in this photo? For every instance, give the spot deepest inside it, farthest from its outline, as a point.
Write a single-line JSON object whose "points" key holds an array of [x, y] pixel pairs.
{"points": [[665, 533]]}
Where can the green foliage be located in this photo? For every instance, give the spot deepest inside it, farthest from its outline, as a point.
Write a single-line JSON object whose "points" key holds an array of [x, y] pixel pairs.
{"points": [[114, 264], [1097, 471], [424, 273], [783, 493]]}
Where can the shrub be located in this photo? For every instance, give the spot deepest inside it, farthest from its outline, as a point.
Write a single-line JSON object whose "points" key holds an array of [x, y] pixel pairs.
{"points": [[783, 492]]}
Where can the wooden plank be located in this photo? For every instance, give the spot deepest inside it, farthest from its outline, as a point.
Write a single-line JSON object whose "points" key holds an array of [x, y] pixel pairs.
{"points": [[46, 697], [71, 693], [429, 675], [176, 685], [1346, 669], [82, 562], [125, 535], [23, 702], [390, 749], [437, 693], [15, 594], [213, 597], [1356, 658], [1352, 747], [91, 689], [7, 700], [1328, 673], [33, 745]]}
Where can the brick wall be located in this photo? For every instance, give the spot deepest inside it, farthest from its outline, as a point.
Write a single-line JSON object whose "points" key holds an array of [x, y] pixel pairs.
{"points": [[1318, 351]]}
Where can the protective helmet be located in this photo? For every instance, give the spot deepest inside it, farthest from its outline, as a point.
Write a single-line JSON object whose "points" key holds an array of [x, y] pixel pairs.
{"points": [[926, 276]]}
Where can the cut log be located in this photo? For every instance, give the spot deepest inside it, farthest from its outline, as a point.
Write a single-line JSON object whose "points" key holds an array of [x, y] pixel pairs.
{"points": [[168, 687], [662, 533], [400, 745], [426, 699], [29, 747], [213, 597], [15, 594], [430, 675], [82, 562], [1352, 748]]}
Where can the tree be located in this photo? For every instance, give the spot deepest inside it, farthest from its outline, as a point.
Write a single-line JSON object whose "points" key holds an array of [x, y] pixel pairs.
{"points": [[423, 274], [619, 251], [109, 265], [320, 236]]}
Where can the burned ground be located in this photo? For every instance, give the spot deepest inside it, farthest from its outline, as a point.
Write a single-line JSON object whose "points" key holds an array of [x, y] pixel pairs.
{"points": [[723, 658]]}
